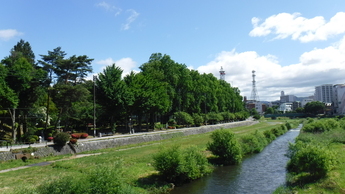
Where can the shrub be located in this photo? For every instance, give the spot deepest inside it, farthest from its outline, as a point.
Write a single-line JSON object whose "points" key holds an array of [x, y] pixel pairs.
{"points": [[226, 116], [61, 139], [314, 127], [261, 138], [73, 141], [183, 118], [75, 135], [172, 122], [283, 128], [256, 116], [158, 125], [277, 131], [312, 158], [109, 179], [288, 125], [214, 117], [331, 124], [225, 147], [250, 144], [178, 165], [84, 135], [269, 135], [198, 120]]}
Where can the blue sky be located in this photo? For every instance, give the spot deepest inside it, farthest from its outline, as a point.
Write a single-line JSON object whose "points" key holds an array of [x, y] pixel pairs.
{"points": [[292, 45]]}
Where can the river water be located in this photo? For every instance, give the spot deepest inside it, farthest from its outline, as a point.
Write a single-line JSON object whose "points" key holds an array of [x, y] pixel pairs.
{"points": [[258, 173]]}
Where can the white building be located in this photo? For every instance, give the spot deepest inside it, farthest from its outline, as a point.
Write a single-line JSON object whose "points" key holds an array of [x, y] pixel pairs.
{"points": [[285, 107], [324, 93], [339, 99]]}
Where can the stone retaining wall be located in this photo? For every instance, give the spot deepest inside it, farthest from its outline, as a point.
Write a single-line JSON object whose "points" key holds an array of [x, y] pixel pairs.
{"points": [[120, 141]]}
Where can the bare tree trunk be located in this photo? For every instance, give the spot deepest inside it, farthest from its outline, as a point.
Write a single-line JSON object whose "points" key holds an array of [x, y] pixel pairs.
{"points": [[13, 117]]}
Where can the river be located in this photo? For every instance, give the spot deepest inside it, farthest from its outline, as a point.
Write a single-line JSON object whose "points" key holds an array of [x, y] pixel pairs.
{"points": [[258, 173]]}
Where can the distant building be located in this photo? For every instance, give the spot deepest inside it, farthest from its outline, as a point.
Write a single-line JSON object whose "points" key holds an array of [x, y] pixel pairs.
{"points": [[339, 99], [296, 105], [287, 98], [305, 101], [285, 107], [324, 93]]}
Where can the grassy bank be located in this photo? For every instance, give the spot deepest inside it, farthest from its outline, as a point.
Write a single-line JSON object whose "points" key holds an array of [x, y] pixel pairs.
{"points": [[322, 142], [133, 161]]}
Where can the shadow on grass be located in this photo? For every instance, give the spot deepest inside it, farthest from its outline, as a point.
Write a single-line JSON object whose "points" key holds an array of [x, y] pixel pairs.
{"points": [[301, 180], [155, 184]]}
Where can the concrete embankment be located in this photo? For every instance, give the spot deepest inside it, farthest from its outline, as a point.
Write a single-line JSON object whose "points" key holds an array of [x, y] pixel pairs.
{"points": [[120, 140]]}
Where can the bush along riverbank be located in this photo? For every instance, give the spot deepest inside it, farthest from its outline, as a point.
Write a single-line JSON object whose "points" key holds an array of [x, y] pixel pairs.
{"points": [[228, 149], [154, 167], [317, 161]]}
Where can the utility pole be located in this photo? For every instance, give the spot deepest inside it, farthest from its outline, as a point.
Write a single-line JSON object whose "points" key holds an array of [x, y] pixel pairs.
{"points": [[94, 106]]}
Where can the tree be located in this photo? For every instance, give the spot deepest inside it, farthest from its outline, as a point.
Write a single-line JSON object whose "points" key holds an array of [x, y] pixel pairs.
{"points": [[8, 98], [26, 79], [65, 96], [111, 92], [150, 96], [23, 48], [314, 107], [300, 110], [73, 69], [51, 62], [269, 110]]}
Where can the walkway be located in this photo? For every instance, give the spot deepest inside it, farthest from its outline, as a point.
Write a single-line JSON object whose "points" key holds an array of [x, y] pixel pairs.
{"points": [[47, 162]]}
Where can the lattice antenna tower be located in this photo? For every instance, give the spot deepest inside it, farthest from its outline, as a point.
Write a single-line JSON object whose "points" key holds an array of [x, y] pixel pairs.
{"points": [[254, 95], [222, 74]]}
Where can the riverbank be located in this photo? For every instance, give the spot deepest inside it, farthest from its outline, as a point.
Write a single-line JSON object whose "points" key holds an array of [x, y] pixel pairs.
{"points": [[321, 145], [258, 173], [136, 158]]}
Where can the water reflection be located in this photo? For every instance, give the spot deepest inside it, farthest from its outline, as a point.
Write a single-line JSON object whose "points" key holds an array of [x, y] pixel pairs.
{"points": [[259, 173]]}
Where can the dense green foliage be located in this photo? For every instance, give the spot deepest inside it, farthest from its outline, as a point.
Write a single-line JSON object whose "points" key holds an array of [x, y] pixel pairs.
{"points": [[230, 149], [225, 146], [181, 165], [314, 107], [311, 157], [250, 144], [61, 139], [38, 97]]}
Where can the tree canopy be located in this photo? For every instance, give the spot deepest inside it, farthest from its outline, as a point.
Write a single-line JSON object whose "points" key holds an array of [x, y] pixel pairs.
{"points": [[38, 97], [314, 107]]}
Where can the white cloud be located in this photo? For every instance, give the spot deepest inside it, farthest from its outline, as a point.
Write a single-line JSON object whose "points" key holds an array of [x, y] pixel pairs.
{"points": [[9, 33], [126, 64], [110, 8], [299, 28], [133, 16], [316, 67]]}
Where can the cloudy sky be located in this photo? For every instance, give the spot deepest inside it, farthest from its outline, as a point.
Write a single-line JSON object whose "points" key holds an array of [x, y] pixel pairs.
{"points": [[292, 45]]}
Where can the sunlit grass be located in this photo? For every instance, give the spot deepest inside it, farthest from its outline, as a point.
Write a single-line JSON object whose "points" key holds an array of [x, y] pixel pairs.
{"points": [[137, 159]]}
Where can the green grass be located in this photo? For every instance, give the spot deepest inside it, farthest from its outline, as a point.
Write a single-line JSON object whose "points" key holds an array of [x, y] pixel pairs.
{"points": [[137, 159], [334, 181]]}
